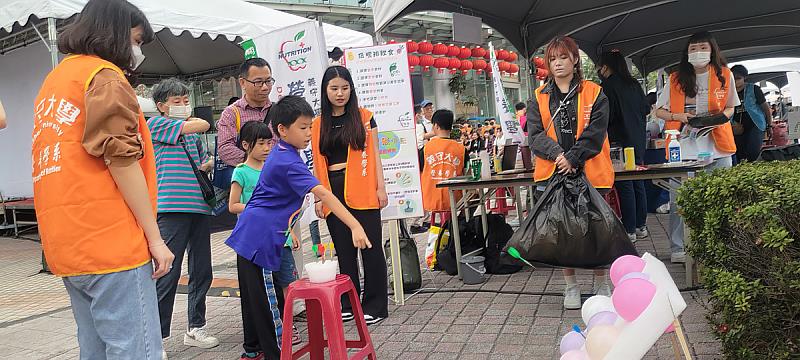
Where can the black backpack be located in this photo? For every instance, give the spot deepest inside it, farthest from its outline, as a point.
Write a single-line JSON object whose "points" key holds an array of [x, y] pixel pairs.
{"points": [[446, 259], [497, 236]]}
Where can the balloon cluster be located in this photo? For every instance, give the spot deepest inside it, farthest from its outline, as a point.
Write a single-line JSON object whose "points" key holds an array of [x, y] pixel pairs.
{"points": [[606, 318]]}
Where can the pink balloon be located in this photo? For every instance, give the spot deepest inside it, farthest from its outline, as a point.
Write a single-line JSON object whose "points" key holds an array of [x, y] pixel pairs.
{"points": [[575, 355], [635, 275], [571, 341], [631, 297], [601, 318], [623, 266]]}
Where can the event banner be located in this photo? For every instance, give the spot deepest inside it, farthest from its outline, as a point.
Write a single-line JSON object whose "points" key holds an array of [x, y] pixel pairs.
{"points": [[383, 85], [298, 60], [505, 115]]}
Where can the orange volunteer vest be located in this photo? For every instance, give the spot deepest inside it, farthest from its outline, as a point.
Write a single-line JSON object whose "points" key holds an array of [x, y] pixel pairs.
{"points": [[717, 99], [598, 169], [85, 224], [360, 180], [444, 159]]}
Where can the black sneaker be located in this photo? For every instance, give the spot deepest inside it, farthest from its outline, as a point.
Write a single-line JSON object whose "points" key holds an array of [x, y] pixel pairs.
{"points": [[370, 320], [346, 316], [416, 229]]}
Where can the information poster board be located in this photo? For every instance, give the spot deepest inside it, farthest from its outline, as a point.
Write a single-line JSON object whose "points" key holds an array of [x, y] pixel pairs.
{"points": [[383, 85]]}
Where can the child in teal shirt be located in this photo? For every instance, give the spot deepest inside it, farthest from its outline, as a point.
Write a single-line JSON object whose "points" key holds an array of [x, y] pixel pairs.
{"points": [[254, 140]]}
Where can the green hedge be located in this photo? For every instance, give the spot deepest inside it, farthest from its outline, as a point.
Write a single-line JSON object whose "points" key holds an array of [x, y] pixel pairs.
{"points": [[745, 227]]}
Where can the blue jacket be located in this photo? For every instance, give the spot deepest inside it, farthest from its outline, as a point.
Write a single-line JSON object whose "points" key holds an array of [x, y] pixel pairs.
{"points": [[753, 109]]}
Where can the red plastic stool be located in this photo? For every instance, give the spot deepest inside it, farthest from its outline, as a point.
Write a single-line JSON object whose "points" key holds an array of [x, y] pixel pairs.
{"points": [[501, 202], [612, 198], [324, 306]]}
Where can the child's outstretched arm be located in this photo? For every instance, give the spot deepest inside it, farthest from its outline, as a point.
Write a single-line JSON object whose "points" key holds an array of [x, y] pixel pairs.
{"points": [[327, 198]]}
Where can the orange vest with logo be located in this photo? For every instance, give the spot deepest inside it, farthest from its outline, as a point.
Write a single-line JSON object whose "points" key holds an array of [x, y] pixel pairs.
{"points": [[598, 169], [717, 101], [85, 225], [444, 159], [360, 179]]}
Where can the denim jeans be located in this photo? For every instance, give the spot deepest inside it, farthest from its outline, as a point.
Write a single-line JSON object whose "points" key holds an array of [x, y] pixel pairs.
{"points": [[185, 232], [632, 204], [675, 220], [117, 314], [313, 228]]}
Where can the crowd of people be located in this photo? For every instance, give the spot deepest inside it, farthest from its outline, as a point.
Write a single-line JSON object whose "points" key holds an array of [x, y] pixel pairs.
{"points": [[127, 198]]}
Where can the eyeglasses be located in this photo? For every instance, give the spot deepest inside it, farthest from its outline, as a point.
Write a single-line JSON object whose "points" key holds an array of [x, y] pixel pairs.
{"points": [[260, 83]]}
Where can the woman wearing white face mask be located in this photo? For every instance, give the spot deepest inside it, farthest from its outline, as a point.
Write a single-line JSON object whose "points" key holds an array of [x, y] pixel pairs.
{"points": [[183, 214], [701, 84]]}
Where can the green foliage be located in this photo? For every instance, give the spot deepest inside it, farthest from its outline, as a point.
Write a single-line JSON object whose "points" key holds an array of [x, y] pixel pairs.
{"points": [[744, 225]]}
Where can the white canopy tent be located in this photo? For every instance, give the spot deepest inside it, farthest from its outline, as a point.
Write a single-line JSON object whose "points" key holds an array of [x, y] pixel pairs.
{"points": [[193, 37]]}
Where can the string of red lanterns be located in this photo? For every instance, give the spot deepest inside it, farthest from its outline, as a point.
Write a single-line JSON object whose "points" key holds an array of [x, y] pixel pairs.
{"points": [[454, 58]]}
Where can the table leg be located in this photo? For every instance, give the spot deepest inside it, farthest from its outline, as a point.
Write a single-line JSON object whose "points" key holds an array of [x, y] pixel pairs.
{"points": [[484, 223], [16, 225], [531, 198], [518, 198], [455, 234]]}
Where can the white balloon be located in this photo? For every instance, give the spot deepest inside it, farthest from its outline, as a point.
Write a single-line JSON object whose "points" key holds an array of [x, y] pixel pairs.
{"points": [[594, 305]]}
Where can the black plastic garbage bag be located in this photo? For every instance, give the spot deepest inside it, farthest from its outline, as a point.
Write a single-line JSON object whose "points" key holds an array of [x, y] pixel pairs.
{"points": [[571, 226]]}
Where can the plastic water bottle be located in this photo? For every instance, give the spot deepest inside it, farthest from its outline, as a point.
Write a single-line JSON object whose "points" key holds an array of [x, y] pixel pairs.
{"points": [[674, 146]]}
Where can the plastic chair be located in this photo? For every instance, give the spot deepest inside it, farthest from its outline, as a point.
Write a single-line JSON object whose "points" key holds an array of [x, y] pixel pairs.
{"points": [[324, 315]]}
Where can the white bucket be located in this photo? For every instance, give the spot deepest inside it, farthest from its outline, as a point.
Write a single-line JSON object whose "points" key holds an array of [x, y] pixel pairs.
{"points": [[319, 272]]}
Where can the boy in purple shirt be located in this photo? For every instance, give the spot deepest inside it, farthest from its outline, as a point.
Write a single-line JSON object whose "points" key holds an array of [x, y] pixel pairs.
{"points": [[259, 236]]}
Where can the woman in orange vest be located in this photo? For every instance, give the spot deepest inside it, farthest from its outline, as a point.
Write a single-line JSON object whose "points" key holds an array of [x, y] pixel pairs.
{"points": [[575, 139], [94, 184], [701, 84], [344, 143]]}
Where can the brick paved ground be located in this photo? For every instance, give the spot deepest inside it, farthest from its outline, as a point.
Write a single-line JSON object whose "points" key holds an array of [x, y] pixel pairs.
{"points": [[457, 322]]}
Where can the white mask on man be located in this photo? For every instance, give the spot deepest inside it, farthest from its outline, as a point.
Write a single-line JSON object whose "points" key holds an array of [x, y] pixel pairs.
{"points": [[138, 57], [180, 111], [700, 58]]}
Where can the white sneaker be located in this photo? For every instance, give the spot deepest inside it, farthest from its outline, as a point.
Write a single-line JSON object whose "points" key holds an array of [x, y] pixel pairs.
{"points": [[602, 289], [164, 355], [633, 238], [663, 209], [572, 297], [642, 232], [199, 338], [678, 257]]}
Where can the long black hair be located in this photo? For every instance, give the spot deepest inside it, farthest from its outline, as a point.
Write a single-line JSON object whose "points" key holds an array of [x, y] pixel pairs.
{"points": [[353, 132], [686, 75], [103, 28], [616, 62]]}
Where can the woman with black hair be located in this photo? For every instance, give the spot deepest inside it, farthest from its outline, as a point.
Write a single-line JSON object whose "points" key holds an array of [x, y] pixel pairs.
{"points": [[345, 151], [628, 109], [701, 84], [95, 184]]}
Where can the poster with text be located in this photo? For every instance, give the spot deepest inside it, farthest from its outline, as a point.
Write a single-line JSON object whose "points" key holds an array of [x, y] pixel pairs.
{"points": [[505, 115], [383, 85]]}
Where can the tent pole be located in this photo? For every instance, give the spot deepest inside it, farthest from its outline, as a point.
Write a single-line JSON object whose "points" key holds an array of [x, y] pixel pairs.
{"points": [[527, 63], [52, 35]]}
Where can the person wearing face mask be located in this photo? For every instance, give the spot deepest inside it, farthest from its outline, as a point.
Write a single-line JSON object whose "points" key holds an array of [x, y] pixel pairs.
{"points": [[94, 184], [701, 84], [628, 109], [183, 214]]}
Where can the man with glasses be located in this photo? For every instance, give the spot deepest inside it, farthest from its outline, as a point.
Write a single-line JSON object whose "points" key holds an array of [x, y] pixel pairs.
{"points": [[255, 79]]}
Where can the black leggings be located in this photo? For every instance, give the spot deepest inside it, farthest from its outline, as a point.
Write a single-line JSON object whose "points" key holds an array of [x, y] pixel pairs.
{"points": [[375, 301]]}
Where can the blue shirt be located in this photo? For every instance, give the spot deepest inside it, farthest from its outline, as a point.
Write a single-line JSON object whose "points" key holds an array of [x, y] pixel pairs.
{"points": [[260, 233]]}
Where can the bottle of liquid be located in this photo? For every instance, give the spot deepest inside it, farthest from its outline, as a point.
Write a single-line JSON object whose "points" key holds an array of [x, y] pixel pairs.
{"points": [[674, 146]]}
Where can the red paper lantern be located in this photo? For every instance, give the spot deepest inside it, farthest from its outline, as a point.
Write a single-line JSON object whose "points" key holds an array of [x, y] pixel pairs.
{"points": [[487, 56], [426, 61], [503, 66], [514, 69], [478, 52], [539, 62], [439, 49], [441, 64], [453, 50], [512, 56], [412, 46], [501, 54], [454, 63], [392, 41], [464, 53], [466, 65], [425, 47], [542, 73], [413, 60], [479, 64]]}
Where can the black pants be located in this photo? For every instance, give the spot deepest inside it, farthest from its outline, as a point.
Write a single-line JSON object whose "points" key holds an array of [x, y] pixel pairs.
{"points": [[376, 296], [748, 145], [185, 232], [257, 320], [632, 204]]}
